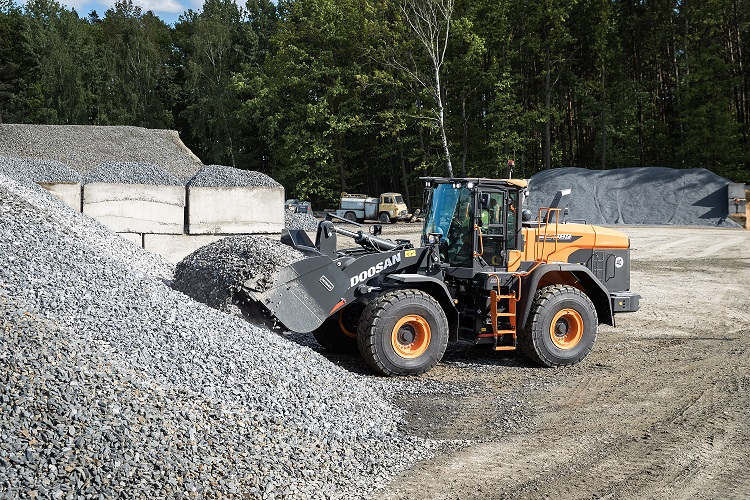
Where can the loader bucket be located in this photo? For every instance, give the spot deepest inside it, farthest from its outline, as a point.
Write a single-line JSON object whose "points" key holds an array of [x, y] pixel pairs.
{"points": [[303, 294]]}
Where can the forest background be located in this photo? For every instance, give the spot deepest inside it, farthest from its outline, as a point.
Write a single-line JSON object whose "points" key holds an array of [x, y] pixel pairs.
{"points": [[343, 95]]}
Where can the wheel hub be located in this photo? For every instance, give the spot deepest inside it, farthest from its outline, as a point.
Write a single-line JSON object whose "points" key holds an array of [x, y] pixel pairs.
{"points": [[561, 328], [566, 329], [411, 336], [406, 335]]}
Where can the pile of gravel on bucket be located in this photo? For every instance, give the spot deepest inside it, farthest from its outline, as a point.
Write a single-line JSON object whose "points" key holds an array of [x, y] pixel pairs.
{"points": [[220, 175], [215, 272], [131, 173], [306, 222], [83, 147], [115, 385], [51, 171], [636, 196]]}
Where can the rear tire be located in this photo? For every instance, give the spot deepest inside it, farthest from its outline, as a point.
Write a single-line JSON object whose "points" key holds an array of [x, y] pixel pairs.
{"points": [[350, 216], [384, 218], [561, 328], [403, 332]]}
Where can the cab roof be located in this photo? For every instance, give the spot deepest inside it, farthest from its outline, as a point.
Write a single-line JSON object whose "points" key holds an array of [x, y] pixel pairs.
{"points": [[478, 181]]}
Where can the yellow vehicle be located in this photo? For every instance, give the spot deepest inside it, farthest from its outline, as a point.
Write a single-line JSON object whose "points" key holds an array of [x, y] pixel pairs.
{"points": [[390, 207]]}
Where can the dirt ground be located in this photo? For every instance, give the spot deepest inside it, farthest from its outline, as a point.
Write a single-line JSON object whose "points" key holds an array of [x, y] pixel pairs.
{"points": [[659, 409]]}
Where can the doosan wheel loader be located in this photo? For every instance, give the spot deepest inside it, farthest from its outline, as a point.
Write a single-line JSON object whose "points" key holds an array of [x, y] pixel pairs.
{"points": [[484, 273]]}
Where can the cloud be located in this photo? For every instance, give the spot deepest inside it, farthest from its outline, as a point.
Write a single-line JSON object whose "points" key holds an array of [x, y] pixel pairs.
{"points": [[171, 6]]}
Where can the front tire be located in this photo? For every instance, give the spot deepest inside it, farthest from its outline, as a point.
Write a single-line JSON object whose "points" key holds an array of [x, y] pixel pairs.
{"points": [[561, 328], [403, 332], [384, 218]]}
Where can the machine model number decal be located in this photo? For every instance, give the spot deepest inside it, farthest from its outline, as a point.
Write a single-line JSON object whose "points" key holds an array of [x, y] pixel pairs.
{"points": [[558, 237], [619, 262], [326, 283], [377, 268], [410, 253]]}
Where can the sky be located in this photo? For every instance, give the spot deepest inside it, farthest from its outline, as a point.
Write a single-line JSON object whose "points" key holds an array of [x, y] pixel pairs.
{"points": [[167, 10]]}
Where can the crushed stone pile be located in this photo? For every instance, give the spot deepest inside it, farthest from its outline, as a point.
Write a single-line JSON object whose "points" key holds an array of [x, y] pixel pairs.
{"points": [[220, 175], [115, 385], [52, 171], [213, 273], [306, 222], [83, 147], [114, 172], [636, 196]]}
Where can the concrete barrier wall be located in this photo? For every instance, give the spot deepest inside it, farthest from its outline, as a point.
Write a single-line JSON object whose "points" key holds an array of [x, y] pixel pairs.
{"points": [[69, 193], [235, 210], [175, 247], [136, 238], [136, 208]]}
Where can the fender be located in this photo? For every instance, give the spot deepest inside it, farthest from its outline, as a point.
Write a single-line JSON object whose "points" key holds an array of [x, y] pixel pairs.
{"points": [[580, 274], [436, 288]]}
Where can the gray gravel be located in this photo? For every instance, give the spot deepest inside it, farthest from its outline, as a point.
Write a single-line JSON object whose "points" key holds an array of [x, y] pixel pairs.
{"points": [[83, 147], [114, 384], [306, 222], [131, 173], [220, 175], [637, 196], [213, 273], [51, 171]]}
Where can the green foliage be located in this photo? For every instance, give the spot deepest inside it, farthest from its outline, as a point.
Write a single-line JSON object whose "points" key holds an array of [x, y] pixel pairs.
{"points": [[320, 93]]}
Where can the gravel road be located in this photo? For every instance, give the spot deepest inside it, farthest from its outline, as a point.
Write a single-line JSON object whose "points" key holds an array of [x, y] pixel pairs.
{"points": [[659, 409]]}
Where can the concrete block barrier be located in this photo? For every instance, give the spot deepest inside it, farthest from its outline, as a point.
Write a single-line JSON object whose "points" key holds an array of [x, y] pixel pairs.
{"points": [[136, 208], [175, 247], [68, 192], [235, 210], [135, 238]]}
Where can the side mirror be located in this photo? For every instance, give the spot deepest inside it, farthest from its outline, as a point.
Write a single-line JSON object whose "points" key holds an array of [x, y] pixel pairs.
{"points": [[376, 229], [526, 215]]}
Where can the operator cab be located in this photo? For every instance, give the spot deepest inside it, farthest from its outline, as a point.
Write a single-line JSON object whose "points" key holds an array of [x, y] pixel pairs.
{"points": [[478, 223]]}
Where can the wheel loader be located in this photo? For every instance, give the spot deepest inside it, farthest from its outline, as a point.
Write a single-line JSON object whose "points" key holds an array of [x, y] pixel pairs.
{"points": [[484, 272]]}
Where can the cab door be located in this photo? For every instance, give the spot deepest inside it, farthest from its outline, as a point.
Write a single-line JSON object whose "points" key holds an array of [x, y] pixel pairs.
{"points": [[491, 235]]}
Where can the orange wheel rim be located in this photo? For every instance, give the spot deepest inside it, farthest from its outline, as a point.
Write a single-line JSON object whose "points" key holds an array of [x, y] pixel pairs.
{"points": [[343, 328], [411, 336], [566, 329]]}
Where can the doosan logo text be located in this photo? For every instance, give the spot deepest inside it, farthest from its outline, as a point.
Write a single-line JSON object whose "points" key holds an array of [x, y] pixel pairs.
{"points": [[373, 270]]}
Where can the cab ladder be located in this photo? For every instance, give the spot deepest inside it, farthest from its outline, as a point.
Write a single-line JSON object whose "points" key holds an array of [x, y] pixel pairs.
{"points": [[505, 340]]}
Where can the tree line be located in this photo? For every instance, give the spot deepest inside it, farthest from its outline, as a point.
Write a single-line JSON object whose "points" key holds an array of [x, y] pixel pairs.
{"points": [[367, 95]]}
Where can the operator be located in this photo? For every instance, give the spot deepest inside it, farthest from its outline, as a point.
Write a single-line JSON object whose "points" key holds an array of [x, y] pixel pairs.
{"points": [[459, 247]]}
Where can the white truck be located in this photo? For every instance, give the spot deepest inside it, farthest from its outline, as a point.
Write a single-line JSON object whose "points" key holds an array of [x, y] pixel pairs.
{"points": [[390, 207]]}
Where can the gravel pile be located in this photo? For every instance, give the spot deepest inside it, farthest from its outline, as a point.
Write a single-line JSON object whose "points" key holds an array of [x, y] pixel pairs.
{"points": [[23, 169], [131, 173], [213, 273], [114, 384], [637, 196], [220, 175], [306, 222], [83, 147]]}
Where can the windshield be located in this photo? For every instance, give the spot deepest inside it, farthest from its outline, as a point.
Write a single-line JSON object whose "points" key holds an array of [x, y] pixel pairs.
{"points": [[399, 199], [449, 215]]}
